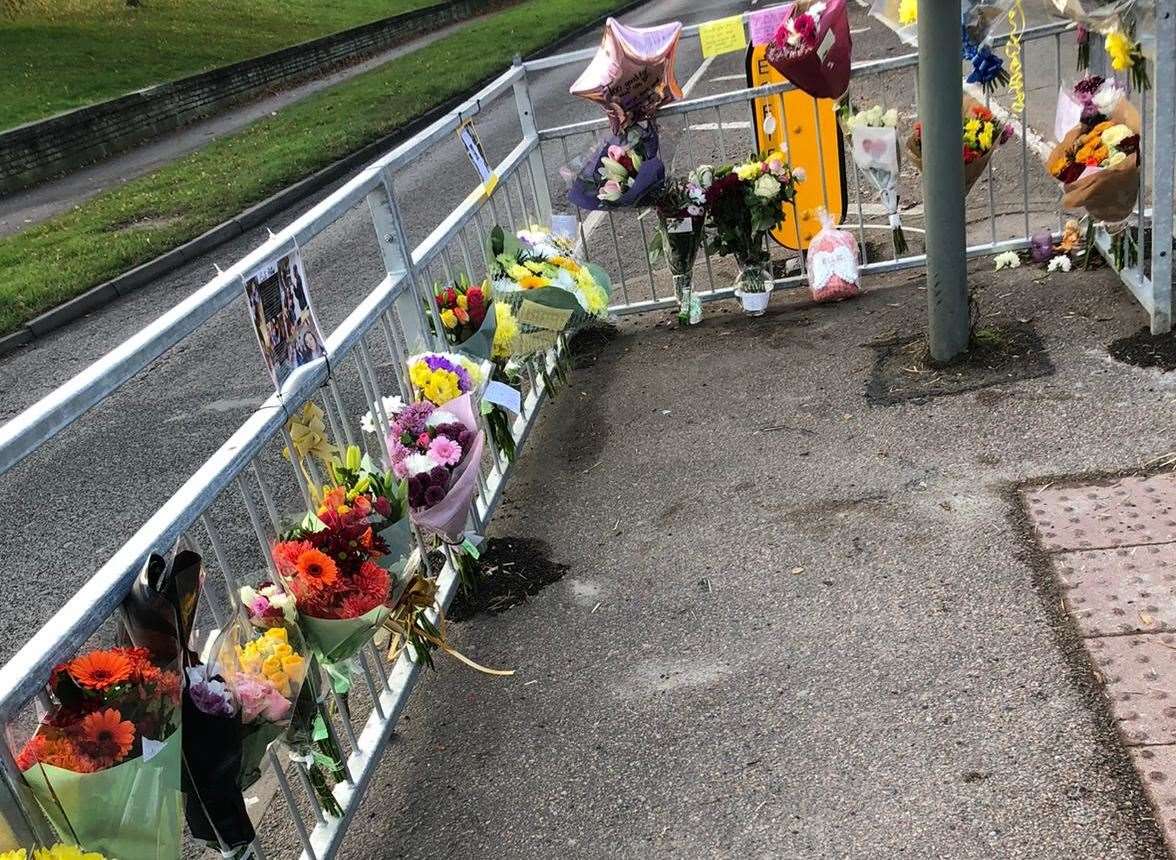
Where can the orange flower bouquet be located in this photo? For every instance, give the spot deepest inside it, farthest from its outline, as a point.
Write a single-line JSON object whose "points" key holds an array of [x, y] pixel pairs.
{"points": [[1098, 166], [104, 763]]}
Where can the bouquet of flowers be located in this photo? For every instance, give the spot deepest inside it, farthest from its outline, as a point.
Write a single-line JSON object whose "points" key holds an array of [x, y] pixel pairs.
{"points": [[982, 134], [467, 315], [1089, 102], [1116, 21], [548, 290], [681, 213], [104, 764], [442, 376], [1099, 166], [875, 151], [976, 20], [744, 202], [812, 48], [337, 562], [621, 171]]}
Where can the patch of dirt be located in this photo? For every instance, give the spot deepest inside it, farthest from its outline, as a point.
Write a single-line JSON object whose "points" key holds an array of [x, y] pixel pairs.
{"points": [[903, 370], [1143, 349], [513, 570], [586, 344]]}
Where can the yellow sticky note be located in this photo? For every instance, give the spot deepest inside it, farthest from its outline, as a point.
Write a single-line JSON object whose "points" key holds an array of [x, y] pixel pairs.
{"points": [[542, 316], [722, 36]]}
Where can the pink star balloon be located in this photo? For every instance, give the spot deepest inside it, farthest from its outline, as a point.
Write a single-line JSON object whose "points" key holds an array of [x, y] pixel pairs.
{"points": [[632, 74]]}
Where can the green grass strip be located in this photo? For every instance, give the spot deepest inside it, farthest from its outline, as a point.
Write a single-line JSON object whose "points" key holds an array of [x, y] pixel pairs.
{"points": [[63, 257], [61, 54]]}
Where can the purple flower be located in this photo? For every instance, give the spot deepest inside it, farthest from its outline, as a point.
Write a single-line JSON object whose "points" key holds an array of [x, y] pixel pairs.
{"points": [[209, 695], [433, 496], [412, 420], [440, 362]]}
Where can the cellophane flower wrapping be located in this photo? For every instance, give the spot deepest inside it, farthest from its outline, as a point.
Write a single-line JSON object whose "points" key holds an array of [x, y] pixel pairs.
{"points": [[621, 171], [443, 376], [812, 48], [439, 452], [681, 214], [1090, 100], [264, 665], [468, 317], [1108, 194], [339, 563], [875, 151], [105, 762], [540, 267], [832, 263], [990, 135]]}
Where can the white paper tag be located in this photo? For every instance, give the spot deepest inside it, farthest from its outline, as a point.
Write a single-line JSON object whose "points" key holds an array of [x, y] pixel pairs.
{"points": [[826, 44], [501, 394], [895, 220], [151, 748], [679, 225], [564, 225]]}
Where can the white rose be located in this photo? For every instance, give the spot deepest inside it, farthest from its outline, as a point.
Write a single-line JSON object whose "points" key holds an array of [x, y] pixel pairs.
{"points": [[874, 115], [767, 186], [1107, 97], [890, 118]]}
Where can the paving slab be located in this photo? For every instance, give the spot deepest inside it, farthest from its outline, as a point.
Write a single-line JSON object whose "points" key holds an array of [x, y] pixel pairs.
{"points": [[1124, 512], [1157, 770], [1139, 673], [1123, 590]]}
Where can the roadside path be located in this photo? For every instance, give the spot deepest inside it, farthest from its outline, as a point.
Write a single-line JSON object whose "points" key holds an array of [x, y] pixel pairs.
{"points": [[47, 199]]}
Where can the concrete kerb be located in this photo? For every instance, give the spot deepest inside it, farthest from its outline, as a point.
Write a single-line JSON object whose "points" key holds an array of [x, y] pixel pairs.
{"points": [[256, 215]]}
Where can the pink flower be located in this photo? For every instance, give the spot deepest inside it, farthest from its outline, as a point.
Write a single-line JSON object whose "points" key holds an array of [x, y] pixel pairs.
{"points": [[423, 440], [259, 606], [445, 451], [616, 153], [260, 701], [610, 191]]}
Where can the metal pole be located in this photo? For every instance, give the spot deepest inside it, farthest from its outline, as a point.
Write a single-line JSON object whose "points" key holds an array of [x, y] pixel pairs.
{"points": [[940, 94], [1164, 136]]}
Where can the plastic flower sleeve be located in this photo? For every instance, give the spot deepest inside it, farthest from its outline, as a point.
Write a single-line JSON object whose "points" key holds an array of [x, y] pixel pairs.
{"points": [[590, 187], [875, 151], [480, 345], [814, 54], [447, 518], [112, 732]]}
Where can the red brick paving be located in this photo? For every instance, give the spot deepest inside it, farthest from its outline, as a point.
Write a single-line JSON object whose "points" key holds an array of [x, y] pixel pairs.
{"points": [[1113, 551]]}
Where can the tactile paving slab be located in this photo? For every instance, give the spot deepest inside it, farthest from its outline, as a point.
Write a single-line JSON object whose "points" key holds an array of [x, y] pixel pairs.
{"points": [[1157, 772], [1118, 513], [1139, 674], [1124, 590]]}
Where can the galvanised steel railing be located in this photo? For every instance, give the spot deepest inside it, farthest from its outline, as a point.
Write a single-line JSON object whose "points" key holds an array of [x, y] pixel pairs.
{"points": [[365, 357]]}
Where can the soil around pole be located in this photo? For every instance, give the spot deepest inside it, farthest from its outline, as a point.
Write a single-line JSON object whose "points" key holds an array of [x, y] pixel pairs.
{"points": [[1143, 349], [1003, 354]]}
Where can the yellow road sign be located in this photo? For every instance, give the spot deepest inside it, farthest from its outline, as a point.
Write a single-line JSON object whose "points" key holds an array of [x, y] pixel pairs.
{"points": [[808, 129]]}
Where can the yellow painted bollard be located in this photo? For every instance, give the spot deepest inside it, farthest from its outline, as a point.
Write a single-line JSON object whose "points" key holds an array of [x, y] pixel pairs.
{"points": [[807, 129]]}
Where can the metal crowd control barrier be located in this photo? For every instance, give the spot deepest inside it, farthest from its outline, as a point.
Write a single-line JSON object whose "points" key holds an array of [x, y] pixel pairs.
{"points": [[390, 322]]}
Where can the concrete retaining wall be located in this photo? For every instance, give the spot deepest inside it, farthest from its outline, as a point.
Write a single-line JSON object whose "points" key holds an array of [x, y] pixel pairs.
{"points": [[39, 150]]}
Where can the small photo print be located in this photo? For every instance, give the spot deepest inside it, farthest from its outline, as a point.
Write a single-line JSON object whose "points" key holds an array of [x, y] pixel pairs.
{"points": [[283, 318]]}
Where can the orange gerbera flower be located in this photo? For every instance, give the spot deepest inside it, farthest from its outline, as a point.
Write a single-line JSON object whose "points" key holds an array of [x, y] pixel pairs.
{"points": [[106, 737], [316, 569], [286, 554], [59, 752], [101, 669]]}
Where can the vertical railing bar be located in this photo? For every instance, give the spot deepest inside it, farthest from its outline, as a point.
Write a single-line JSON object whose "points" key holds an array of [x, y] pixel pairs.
{"points": [[795, 207], [722, 137], [518, 178], [292, 805], [371, 684], [579, 215], [483, 233], [534, 183], [645, 245], [821, 158], [857, 193], [990, 184], [1058, 77], [379, 663], [294, 464], [1024, 144], [617, 250], [222, 561], [266, 496], [332, 419], [1140, 213], [394, 352], [465, 254], [255, 521], [368, 378], [343, 416], [300, 769]]}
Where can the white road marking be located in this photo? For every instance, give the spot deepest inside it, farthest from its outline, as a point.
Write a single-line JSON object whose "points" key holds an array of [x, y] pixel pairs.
{"points": [[721, 78], [714, 126]]}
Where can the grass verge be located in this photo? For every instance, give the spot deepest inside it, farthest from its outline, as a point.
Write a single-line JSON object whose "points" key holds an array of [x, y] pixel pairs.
{"points": [[63, 257], [61, 54]]}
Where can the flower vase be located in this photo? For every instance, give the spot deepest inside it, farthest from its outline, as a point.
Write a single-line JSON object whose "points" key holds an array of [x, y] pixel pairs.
{"points": [[753, 286], [689, 307]]}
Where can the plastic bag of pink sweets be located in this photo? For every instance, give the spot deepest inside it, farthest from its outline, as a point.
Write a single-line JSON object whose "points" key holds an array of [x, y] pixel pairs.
{"points": [[832, 263]]}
